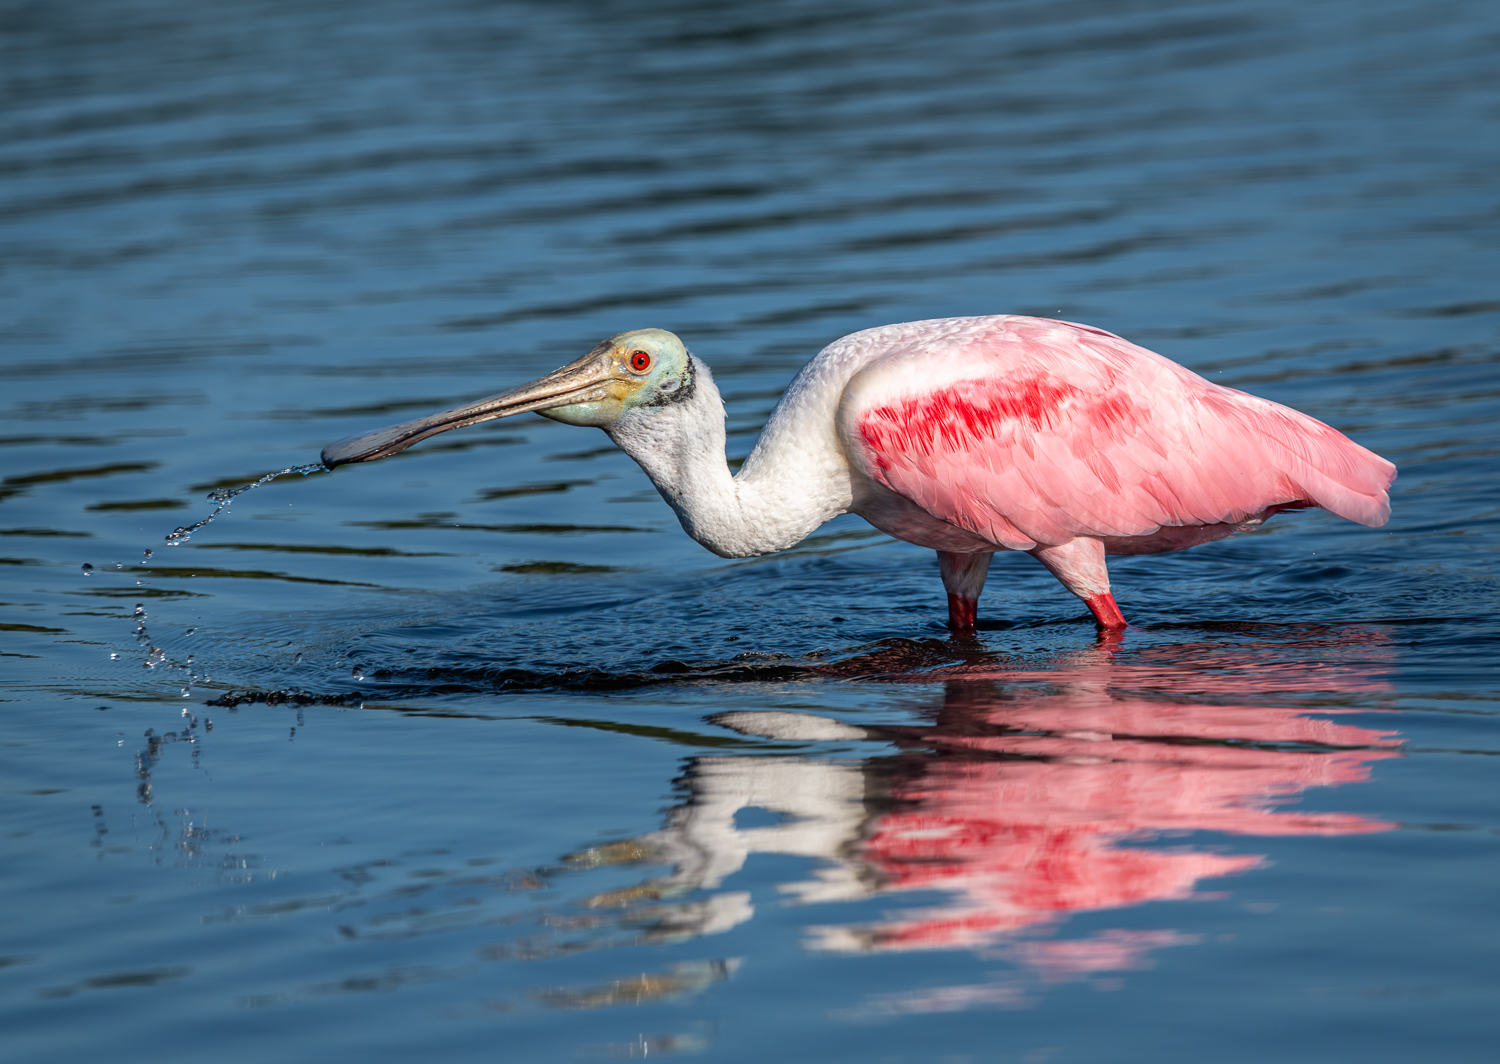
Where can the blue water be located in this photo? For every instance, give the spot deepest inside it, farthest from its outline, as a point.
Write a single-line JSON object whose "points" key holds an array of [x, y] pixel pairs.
{"points": [[471, 754]]}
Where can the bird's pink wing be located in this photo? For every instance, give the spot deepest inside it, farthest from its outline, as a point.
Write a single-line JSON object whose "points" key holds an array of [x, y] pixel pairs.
{"points": [[1031, 432]]}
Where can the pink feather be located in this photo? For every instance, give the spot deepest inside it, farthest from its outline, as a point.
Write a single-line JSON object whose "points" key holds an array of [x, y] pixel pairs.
{"points": [[1029, 432]]}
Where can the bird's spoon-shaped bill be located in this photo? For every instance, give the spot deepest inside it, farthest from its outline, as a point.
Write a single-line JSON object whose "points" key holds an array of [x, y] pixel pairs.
{"points": [[592, 378]]}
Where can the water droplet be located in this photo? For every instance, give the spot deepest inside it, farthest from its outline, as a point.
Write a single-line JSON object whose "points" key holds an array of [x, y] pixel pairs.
{"points": [[297, 660], [222, 497], [149, 553], [357, 673], [114, 657], [186, 694], [190, 631], [87, 568], [140, 610]]}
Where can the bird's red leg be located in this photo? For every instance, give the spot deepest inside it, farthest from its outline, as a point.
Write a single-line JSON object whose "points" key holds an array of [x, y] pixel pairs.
{"points": [[1105, 610], [1079, 564], [963, 578], [963, 613]]}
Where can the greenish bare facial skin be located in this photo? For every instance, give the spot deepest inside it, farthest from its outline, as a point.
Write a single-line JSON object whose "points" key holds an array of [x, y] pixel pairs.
{"points": [[666, 371]]}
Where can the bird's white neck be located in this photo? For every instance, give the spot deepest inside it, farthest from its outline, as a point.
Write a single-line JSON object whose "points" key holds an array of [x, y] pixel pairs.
{"points": [[795, 479]]}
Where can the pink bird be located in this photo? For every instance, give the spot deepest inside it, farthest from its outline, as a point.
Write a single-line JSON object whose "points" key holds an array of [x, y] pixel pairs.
{"points": [[966, 435]]}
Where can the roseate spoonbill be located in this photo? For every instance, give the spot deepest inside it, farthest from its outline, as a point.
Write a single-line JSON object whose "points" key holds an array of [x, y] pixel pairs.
{"points": [[966, 435]]}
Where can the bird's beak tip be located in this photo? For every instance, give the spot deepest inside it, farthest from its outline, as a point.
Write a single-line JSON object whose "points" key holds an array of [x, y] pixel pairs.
{"points": [[362, 448]]}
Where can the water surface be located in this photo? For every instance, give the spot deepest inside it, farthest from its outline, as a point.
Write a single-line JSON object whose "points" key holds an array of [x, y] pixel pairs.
{"points": [[472, 754]]}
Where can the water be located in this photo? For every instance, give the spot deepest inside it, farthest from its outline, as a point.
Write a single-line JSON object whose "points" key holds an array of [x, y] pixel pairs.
{"points": [[222, 497], [472, 754]]}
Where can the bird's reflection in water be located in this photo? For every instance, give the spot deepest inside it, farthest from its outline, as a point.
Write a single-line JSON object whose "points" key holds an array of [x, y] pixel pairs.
{"points": [[1009, 798], [1024, 797]]}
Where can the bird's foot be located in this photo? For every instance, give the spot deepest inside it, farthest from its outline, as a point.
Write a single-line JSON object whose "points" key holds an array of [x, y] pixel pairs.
{"points": [[1109, 639]]}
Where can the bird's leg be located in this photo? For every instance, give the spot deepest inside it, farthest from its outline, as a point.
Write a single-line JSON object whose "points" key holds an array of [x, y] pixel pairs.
{"points": [[1079, 564], [963, 579]]}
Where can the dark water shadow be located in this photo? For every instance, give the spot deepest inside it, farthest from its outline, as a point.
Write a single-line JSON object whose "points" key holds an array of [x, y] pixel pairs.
{"points": [[1270, 648]]}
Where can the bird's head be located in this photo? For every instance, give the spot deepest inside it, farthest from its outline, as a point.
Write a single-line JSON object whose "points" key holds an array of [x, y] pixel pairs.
{"points": [[634, 370]]}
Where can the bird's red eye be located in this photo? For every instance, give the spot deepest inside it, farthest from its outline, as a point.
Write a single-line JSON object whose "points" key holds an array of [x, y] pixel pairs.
{"points": [[640, 361]]}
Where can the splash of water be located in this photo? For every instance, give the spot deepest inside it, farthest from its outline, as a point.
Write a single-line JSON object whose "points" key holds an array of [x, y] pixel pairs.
{"points": [[155, 655], [224, 496]]}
